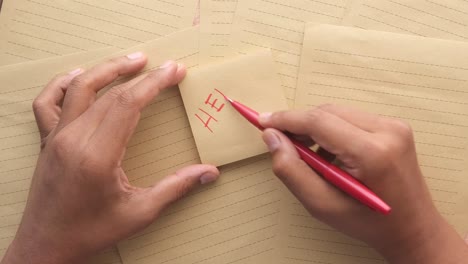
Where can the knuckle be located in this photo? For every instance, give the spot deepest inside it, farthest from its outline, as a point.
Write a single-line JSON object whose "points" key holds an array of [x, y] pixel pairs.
{"points": [[116, 91], [277, 117], [82, 81], [402, 130], [127, 99], [58, 79], [60, 145], [315, 115], [383, 154], [114, 65], [181, 187], [163, 80], [399, 138], [281, 165], [38, 104], [381, 149], [114, 62], [326, 106], [91, 164]]}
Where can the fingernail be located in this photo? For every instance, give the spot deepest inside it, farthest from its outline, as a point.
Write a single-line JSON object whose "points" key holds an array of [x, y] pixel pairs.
{"points": [[264, 117], [208, 178], [135, 56], [75, 72], [166, 64], [272, 140]]}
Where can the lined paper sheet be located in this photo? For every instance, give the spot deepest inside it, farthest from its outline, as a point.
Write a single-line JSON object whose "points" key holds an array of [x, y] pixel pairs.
{"points": [[215, 27], [431, 18], [44, 28], [422, 81], [233, 221], [19, 138], [230, 221], [279, 25], [162, 143]]}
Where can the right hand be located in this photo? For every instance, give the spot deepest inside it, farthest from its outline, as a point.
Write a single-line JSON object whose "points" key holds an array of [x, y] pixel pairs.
{"points": [[381, 153]]}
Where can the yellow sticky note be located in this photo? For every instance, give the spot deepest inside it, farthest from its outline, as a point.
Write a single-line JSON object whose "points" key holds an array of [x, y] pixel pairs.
{"points": [[222, 135]]}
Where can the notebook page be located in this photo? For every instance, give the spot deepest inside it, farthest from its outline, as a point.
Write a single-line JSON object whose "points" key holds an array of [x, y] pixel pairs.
{"points": [[20, 142], [215, 27], [279, 25], [430, 18], [415, 79], [44, 28]]}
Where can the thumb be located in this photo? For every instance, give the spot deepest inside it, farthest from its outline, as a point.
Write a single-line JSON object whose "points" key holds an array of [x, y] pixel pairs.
{"points": [[173, 187], [301, 180]]}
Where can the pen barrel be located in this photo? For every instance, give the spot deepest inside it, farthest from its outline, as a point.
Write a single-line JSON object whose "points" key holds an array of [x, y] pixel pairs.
{"points": [[331, 173], [342, 180]]}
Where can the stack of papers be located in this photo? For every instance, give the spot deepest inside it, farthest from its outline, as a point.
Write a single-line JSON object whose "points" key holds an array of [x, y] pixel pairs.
{"points": [[402, 59]]}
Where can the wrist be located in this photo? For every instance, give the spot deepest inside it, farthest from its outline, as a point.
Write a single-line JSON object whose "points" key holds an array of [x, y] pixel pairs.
{"points": [[40, 246], [30, 251], [434, 242]]}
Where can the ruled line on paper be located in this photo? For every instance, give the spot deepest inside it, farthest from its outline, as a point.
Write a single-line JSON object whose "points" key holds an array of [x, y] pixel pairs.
{"points": [[279, 25], [397, 90], [34, 39], [392, 82], [218, 243], [209, 212], [437, 18], [237, 225], [417, 22], [216, 25], [86, 15], [428, 13], [77, 25], [17, 173]]}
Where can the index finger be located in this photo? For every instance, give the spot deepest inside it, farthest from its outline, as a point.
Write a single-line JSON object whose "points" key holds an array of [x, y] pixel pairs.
{"points": [[329, 131], [123, 116], [84, 88]]}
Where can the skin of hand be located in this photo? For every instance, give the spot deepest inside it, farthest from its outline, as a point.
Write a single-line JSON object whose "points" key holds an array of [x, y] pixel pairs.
{"points": [[381, 153], [81, 201]]}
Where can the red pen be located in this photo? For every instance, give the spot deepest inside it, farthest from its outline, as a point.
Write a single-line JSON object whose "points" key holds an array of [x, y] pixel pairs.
{"points": [[330, 172]]}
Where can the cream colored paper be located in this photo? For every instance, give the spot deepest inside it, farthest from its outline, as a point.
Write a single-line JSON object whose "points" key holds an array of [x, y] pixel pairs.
{"points": [[44, 28], [430, 18], [279, 25], [422, 81], [232, 220], [222, 135], [20, 140], [215, 27]]}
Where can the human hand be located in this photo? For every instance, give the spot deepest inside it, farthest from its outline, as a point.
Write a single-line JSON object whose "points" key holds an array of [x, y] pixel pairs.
{"points": [[80, 200], [381, 153]]}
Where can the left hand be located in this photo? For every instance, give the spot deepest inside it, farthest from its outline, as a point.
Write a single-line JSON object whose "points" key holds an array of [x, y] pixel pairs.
{"points": [[81, 201]]}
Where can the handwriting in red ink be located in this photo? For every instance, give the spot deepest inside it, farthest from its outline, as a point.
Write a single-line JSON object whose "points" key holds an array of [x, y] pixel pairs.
{"points": [[213, 103]]}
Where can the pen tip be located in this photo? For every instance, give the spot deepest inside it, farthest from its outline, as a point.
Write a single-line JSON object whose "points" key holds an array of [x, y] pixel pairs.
{"points": [[229, 99]]}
